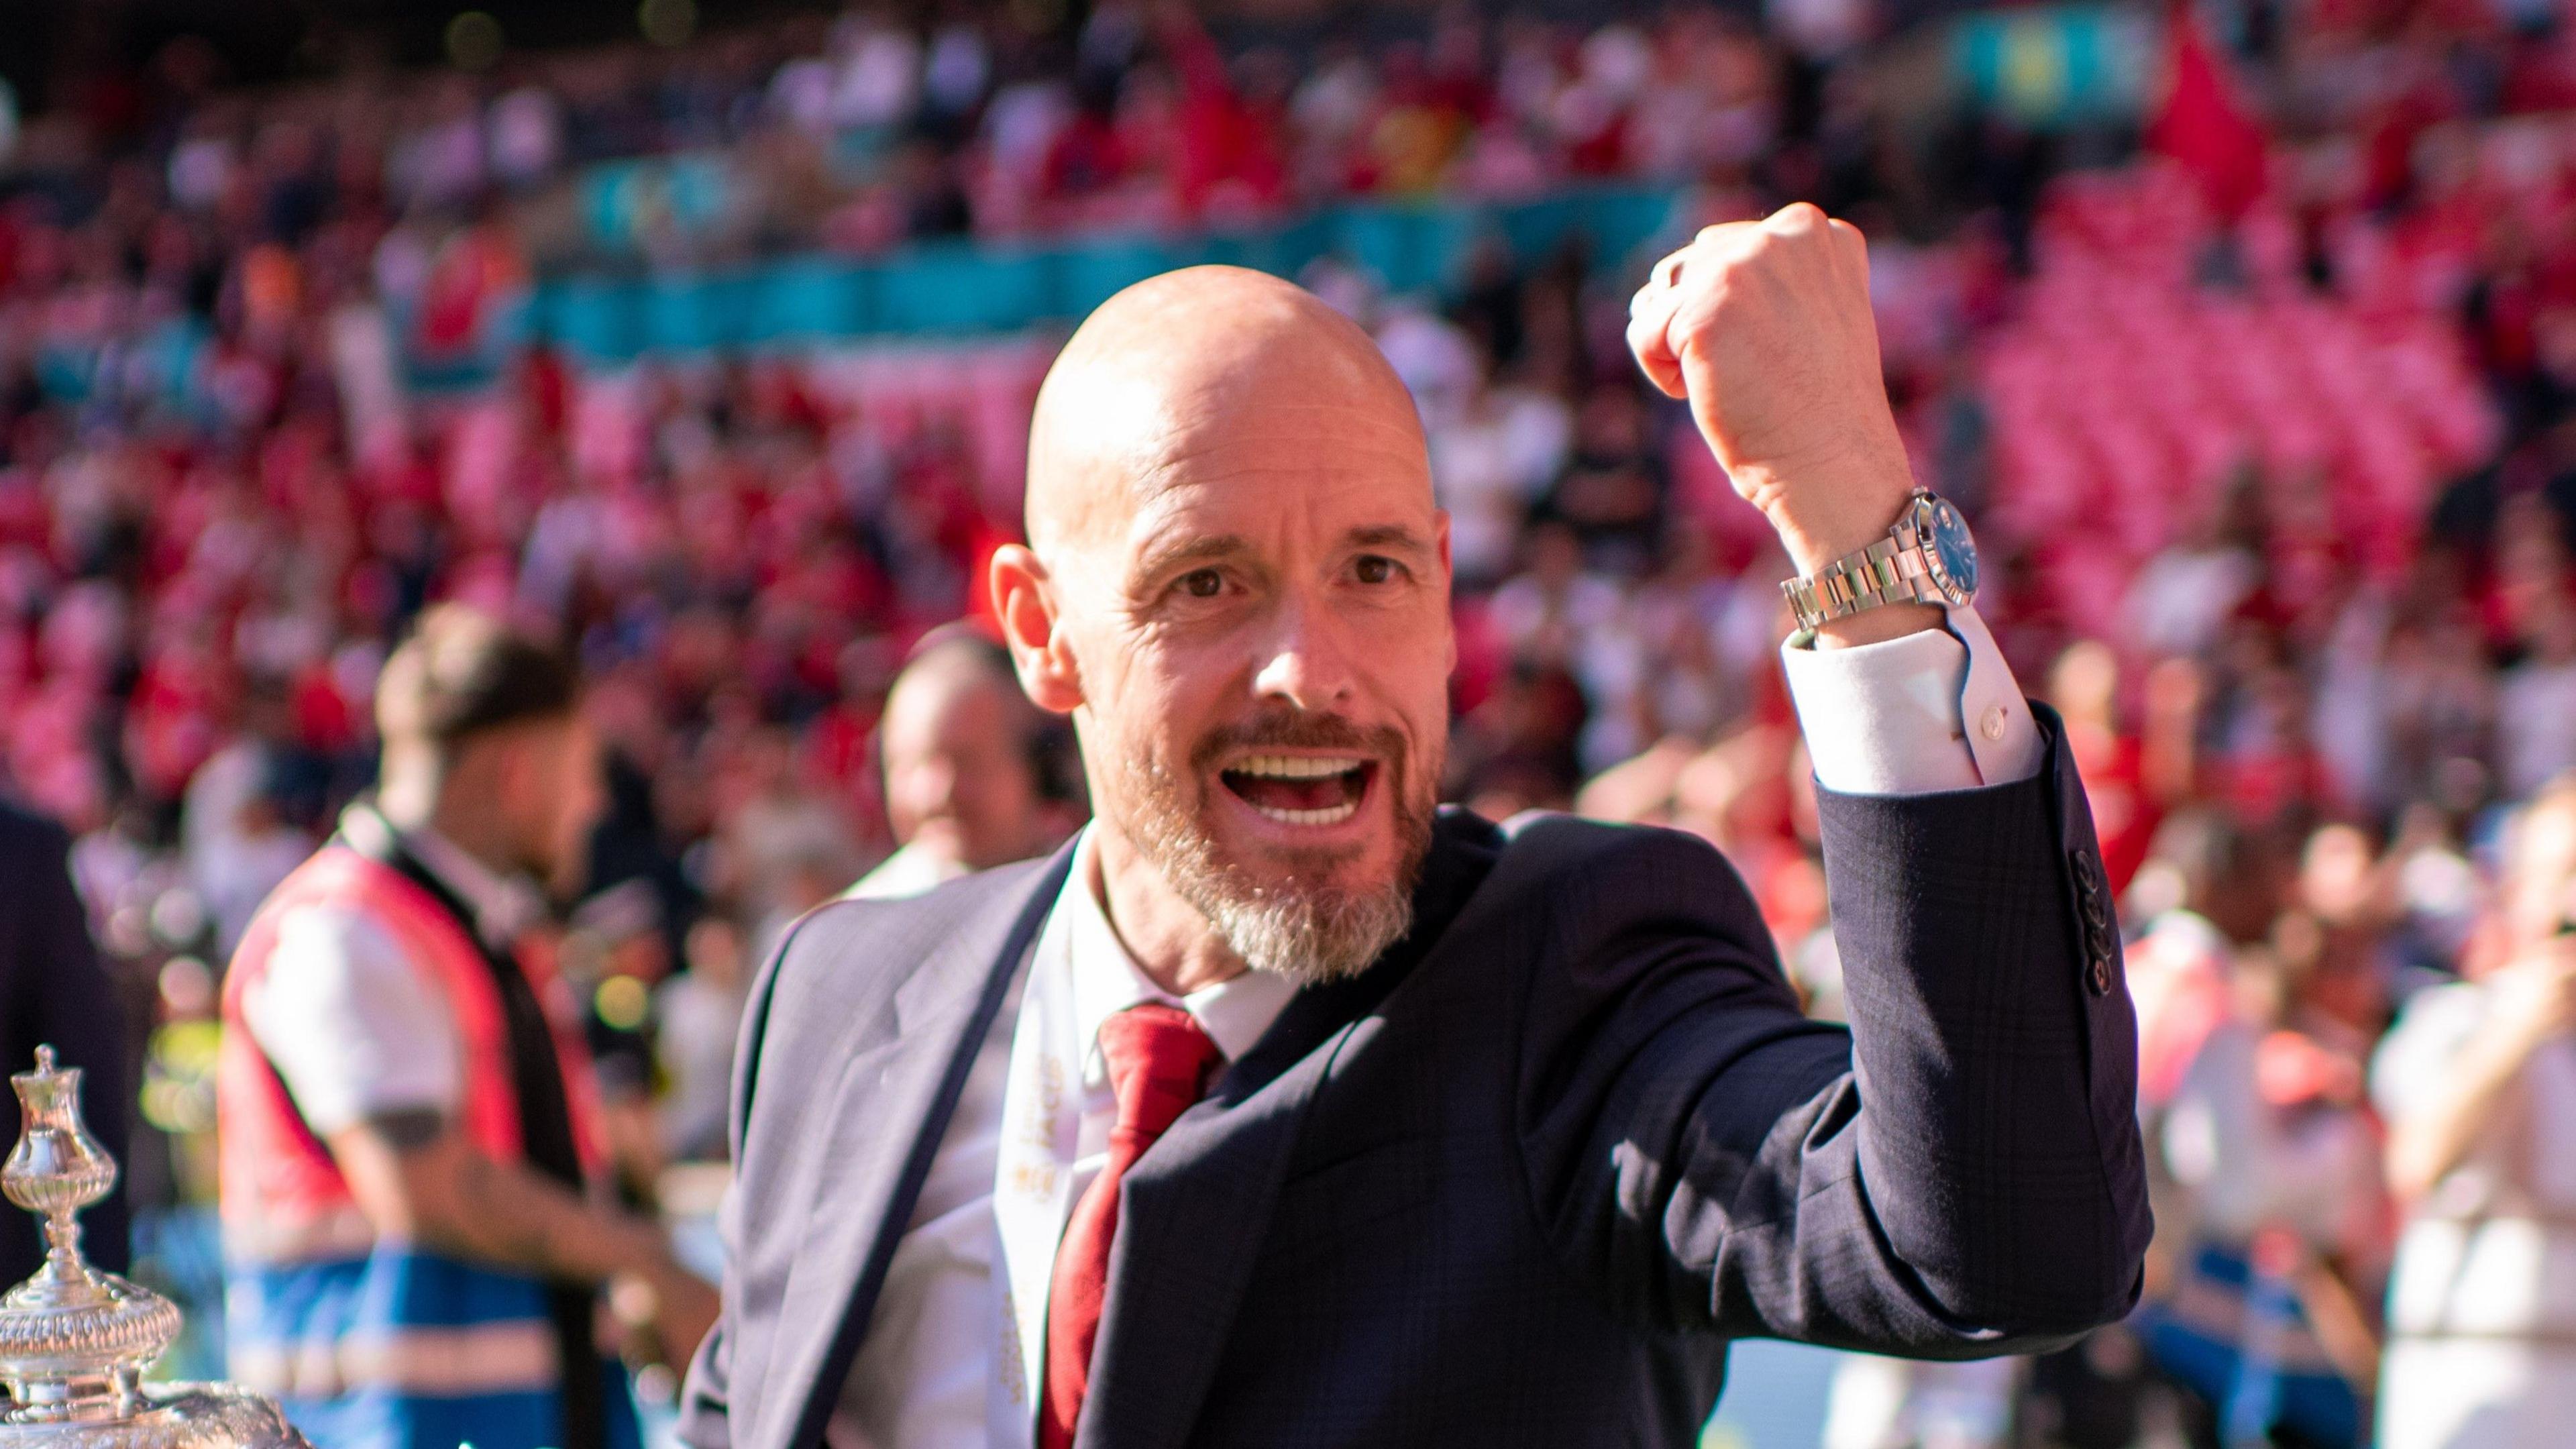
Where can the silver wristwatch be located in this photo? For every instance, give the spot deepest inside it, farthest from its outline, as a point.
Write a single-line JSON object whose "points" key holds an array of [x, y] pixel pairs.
{"points": [[1926, 558]]}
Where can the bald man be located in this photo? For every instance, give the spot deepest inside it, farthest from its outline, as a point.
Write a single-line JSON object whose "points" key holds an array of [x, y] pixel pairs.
{"points": [[1285, 1107], [965, 771]]}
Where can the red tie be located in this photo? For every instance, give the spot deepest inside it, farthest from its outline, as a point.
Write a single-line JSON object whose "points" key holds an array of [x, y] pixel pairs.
{"points": [[1158, 1064]]}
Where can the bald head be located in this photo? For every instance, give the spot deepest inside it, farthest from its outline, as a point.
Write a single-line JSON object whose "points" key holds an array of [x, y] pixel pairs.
{"points": [[1237, 584], [1215, 364], [961, 746]]}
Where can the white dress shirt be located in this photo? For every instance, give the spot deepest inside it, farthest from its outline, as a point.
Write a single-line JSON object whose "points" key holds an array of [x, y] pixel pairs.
{"points": [[947, 1360], [910, 871], [952, 1352]]}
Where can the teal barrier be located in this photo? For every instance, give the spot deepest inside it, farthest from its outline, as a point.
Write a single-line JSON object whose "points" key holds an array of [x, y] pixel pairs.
{"points": [[2057, 67], [964, 288]]}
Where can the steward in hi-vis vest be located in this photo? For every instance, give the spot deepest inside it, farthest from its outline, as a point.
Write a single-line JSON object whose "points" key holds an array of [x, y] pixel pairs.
{"points": [[410, 1153]]}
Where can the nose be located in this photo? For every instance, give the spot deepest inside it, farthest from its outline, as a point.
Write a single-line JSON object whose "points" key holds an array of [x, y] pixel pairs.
{"points": [[931, 785], [1307, 661]]}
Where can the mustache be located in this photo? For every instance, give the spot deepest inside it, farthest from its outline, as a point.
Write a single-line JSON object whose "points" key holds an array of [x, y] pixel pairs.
{"points": [[1295, 729]]}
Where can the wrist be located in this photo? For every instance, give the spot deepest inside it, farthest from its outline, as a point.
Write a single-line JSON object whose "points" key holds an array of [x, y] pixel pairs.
{"points": [[639, 1247], [2510, 1040], [1865, 508], [1822, 512]]}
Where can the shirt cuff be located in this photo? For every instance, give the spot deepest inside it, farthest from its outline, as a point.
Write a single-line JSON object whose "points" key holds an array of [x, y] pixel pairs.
{"points": [[1934, 710]]}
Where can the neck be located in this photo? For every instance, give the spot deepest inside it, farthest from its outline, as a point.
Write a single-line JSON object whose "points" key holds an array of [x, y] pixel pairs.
{"points": [[413, 807], [1171, 941]]}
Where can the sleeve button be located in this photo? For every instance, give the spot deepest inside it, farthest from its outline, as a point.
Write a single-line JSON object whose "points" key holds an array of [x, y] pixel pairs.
{"points": [[2101, 975], [1992, 726]]}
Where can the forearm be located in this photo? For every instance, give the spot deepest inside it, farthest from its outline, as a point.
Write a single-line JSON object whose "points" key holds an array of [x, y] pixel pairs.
{"points": [[506, 1213], [2426, 1143], [1994, 1051], [446, 1194]]}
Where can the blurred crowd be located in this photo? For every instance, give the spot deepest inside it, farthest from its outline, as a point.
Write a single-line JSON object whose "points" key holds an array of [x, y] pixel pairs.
{"points": [[2273, 462], [857, 133]]}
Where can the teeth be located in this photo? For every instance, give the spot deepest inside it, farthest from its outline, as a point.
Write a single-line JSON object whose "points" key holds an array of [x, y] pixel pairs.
{"points": [[1294, 767], [1334, 816]]}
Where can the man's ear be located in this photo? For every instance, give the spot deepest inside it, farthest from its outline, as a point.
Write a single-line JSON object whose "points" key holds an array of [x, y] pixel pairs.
{"points": [[1448, 611], [1024, 600]]}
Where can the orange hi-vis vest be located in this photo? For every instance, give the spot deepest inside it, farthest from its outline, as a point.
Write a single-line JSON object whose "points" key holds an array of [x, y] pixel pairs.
{"points": [[367, 1341]]}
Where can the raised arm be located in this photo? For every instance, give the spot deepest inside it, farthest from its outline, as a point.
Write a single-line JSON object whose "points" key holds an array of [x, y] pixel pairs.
{"points": [[1957, 1174], [1961, 1173]]}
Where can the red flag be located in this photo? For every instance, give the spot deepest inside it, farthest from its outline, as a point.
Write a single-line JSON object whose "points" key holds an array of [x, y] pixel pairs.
{"points": [[2204, 122]]}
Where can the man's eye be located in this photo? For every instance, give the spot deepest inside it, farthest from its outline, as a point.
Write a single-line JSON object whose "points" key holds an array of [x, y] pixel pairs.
{"points": [[1376, 568], [1202, 583]]}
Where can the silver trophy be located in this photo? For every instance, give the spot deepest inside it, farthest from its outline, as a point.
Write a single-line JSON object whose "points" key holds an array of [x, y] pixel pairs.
{"points": [[74, 1341]]}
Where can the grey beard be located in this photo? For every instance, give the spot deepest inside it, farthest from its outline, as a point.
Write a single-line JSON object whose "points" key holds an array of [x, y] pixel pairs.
{"points": [[1309, 936]]}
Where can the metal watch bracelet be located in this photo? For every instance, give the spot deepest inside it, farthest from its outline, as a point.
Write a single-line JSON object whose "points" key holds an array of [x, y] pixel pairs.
{"points": [[1890, 571]]}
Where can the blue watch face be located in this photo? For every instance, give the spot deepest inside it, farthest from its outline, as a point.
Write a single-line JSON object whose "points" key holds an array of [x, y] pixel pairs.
{"points": [[1953, 550]]}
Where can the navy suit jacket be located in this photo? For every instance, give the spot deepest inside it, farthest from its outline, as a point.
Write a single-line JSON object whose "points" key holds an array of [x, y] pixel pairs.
{"points": [[1522, 1181]]}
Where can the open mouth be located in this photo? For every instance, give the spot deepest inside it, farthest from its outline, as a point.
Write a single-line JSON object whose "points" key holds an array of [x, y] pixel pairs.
{"points": [[1301, 789]]}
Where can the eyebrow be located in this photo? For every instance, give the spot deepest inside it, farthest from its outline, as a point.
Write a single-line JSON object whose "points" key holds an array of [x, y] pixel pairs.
{"points": [[1196, 550], [1386, 535], [1226, 545]]}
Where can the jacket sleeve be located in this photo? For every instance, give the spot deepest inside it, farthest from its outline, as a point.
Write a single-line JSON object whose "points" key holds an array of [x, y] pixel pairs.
{"points": [[1957, 1175]]}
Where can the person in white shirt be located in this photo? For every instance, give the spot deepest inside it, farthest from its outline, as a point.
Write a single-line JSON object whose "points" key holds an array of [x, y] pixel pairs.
{"points": [[2478, 1087], [411, 1157]]}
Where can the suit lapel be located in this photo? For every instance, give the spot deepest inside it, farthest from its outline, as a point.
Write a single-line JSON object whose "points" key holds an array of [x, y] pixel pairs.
{"points": [[1193, 1211], [870, 1173]]}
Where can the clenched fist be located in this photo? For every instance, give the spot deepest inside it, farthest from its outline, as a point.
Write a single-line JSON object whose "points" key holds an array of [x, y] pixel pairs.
{"points": [[1766, 327]]}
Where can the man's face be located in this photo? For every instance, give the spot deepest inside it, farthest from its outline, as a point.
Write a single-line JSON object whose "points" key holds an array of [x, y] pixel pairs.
{"points": [[554, 792], [959, 783], [1263, 633]]}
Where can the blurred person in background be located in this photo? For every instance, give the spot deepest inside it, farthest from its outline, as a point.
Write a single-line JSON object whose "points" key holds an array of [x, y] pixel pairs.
{"points": [[697, 1014], [2478, 1086], [787, 846], [410, 1145], [261, 848], [2276, 1211], [973, 772], [52, 993]]}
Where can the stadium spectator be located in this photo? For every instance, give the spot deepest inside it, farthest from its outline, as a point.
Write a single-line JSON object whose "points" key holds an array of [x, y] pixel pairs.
{"points": [[698, 1013], [2478, 1083], [409, 1131], [974, 775]]}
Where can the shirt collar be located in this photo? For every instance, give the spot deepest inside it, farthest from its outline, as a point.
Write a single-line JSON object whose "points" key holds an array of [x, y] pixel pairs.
{"points": [[504, 907], [1106, 980]]}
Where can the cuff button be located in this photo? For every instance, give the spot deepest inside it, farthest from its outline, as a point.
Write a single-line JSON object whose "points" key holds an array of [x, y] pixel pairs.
{"points": [[2101, 976], [1992, 726]]}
